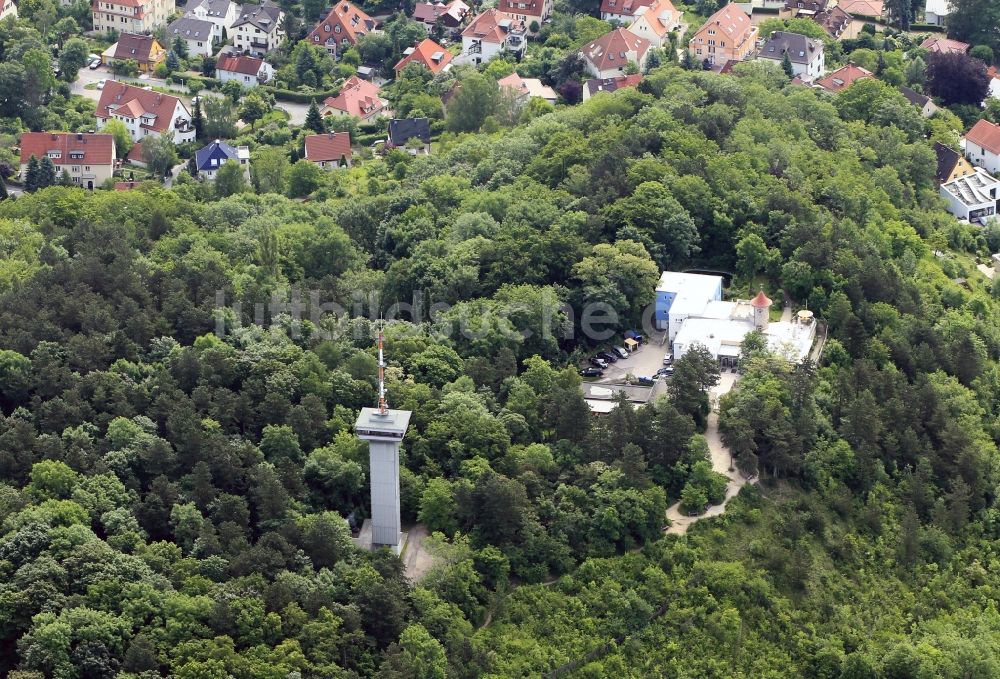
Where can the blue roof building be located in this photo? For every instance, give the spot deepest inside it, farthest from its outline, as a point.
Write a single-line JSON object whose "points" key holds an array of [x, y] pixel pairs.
{"points": [[209, 159]]}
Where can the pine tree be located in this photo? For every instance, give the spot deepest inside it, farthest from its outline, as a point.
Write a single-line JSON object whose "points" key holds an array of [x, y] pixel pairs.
{"points": [[3, 190], [196, 119], [46, 173], [786, 65], [173, 63], [65, 179], [314, 121], [31, 175]]}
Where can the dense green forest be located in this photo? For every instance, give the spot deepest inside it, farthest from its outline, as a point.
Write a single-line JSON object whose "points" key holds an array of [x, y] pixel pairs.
{"points": [[172, 496]]}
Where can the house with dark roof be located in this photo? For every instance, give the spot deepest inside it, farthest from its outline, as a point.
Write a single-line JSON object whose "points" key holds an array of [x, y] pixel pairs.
{"points": [[834, 21], [449, 16], [259, 29], [427, 54], [806, 8], [805, 54], [88, 158], [609, 55], [921, 101], [210, 159], [329, 150], [144, 112], [596, 85], [341, 28], [950, 164], [222, 13], [843, 78], [247, 71], [142, 49], [198, 34], [402, 130], [982, 146], [492, 33]]}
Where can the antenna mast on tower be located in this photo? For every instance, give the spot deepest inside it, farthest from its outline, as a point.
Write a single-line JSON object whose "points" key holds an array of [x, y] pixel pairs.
{"points": [[382, 405]]}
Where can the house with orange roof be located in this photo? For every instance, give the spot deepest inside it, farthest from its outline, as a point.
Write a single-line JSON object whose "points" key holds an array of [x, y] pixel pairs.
{"points": [[132, 16], [341, 28], [982, 146], [358, 98], [843, 78], [428, 54], [610, 55], [529, 11], [727, 35], [944, 46], [329, 150], [873, 9], [88, 158], [492, 33], [654, 22], [144, 112]]}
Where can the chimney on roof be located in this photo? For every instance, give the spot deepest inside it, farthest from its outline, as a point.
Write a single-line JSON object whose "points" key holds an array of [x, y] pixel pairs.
{"points": [[55, 136]]}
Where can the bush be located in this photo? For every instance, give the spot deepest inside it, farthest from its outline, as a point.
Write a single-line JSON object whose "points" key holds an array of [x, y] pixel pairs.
{"points": [[693, 499], [206, 83], [299, 97]]}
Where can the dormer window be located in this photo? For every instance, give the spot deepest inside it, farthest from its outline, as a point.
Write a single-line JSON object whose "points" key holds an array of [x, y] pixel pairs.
{"points": [[327, 28], [336, 29]]}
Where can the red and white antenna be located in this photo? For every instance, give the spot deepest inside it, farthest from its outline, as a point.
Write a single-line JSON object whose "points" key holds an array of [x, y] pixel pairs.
{"points": [[382, 405]]}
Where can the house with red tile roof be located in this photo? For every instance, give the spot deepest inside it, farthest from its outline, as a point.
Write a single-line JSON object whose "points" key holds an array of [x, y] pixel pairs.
{"points": [[88, 158], [843, 78], [982, 146], [609, 55], [341, 28], [358, 98], [144, 112], [728, 34], [864, 8], [622, 11], [524, 89], [595, 85], [428, 54], [528, 11], [329, 150], [247, 71], [145, 50], [944, 46], [490, 34], [655, 22]]}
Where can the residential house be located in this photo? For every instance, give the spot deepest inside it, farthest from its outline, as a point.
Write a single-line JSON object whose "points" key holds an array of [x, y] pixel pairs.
{"points": [[936, 12], [610, 55], [259, 29], [211, 158], [358, 98], [131, 16], [402, 130], [526, 88], [198, 34], [950, 164], [921, 101], [222, 13], [728, 34], [595, 85], [428, 54], [843, 78], [805, 54], [871, 9], [994, 75], [654, 23], [982, 146], [332, 149], [834, 21], [144, 112], [945, 45], [7, 9], [134, 156], [341, 28], [449, 17], [247, 71], [622, 11], [806, 8], [88, 158], [972, 197], [531, 12], [490, 34], [145, 50]]}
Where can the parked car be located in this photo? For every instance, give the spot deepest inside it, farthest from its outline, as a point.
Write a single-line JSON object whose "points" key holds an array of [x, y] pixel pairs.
{"points": [[620, 351], [598, 363], [94, 63], [668, 359], [645, 381], [591, 372], [665, 372], [100, 84], [608, 356]]}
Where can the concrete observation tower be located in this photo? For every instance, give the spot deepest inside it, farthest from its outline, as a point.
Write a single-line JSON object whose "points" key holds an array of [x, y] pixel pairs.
{"points": [[384, 430]]}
